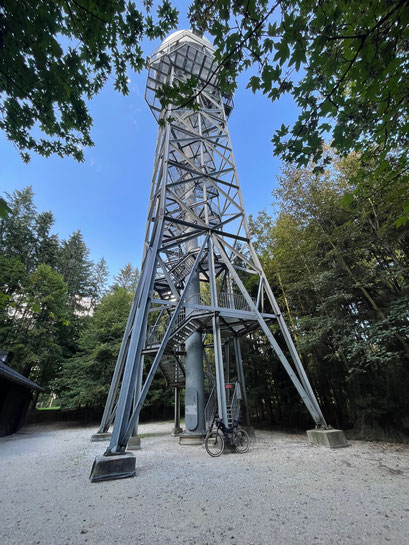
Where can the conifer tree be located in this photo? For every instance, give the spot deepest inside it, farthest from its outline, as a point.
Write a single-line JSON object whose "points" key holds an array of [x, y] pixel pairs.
{"points": [[127, 278]]}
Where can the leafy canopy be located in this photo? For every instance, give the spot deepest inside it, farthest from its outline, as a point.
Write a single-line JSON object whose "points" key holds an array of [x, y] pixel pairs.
{"points": [[56, 55], [344, 62]]}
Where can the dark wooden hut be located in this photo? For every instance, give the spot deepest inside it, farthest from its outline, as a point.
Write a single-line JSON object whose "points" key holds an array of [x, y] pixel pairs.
{"points": [[16, 393]]}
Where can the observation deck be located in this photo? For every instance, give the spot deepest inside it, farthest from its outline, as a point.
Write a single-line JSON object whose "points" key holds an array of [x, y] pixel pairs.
{"points": [[181, 56]]}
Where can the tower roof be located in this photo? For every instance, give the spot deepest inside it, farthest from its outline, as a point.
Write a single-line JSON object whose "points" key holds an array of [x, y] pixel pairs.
{"points": [[186, 36]]}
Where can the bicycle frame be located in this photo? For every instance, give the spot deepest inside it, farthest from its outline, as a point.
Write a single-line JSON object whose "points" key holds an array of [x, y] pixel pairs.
{"points": [[228, 433]]}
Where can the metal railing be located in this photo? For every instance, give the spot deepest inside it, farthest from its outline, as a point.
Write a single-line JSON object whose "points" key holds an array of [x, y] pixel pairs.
{"points": [[156, 332], [235, 301], [182, 267]]}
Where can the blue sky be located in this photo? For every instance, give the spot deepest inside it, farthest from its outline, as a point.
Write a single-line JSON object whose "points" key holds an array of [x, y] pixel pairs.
{"points": [[106, 197]]}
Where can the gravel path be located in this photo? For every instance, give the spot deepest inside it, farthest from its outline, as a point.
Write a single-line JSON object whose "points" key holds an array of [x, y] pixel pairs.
{"points": [[284, 491]]}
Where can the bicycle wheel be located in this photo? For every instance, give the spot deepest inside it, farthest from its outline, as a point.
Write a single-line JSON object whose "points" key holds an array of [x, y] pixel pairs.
{"points": [[214, 443], [242, 441]]}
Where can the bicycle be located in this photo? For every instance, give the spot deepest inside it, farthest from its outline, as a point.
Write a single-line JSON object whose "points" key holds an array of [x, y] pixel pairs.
{"points": [[215, 438]]}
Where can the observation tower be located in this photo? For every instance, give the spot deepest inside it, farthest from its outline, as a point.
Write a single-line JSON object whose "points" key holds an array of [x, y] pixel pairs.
{"points": [[191, 304]]}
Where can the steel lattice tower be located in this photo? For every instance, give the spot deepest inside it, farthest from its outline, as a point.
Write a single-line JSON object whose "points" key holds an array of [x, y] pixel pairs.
{"points": [[196, 260]]}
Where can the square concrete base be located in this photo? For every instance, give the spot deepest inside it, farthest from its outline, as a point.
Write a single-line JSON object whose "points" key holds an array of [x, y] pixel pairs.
{"points": [[106, 436], [108, 468], [327, 438], [134, 443], [190, 439]]}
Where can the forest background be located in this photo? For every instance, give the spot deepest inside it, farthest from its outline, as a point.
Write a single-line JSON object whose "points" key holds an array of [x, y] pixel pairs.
{"points": [[335, 245], [340, 274]]}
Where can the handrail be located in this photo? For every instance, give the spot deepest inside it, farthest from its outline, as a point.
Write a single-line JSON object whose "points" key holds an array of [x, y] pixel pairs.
{"points": [[230, 300]]}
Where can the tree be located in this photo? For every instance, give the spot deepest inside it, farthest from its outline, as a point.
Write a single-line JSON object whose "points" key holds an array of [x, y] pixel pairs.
{"points": [[341, 275], [35, 320], [127, 278], [25, 233], [100, 275], [4, 209], [34, 315], [352, 60], [16, 229], [57, 55], [85, 378], [76, 269]]}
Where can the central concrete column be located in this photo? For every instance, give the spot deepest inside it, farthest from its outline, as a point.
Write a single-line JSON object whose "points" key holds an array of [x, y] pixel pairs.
{"points": [[195, 427]]}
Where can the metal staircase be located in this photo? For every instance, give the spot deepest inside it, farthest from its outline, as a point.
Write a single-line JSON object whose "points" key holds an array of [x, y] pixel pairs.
{"points": [[233, 407], [171, 363], [173, 370], [182, 329]]}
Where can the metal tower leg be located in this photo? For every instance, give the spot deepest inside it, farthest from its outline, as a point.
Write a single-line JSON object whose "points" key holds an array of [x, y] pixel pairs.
{"points": [[241, 377], [110, 466], [134, 442], [311, 406]]}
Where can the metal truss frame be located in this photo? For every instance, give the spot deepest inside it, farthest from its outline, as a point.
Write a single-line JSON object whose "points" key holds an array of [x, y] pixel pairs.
{"points": [[196, 229]]}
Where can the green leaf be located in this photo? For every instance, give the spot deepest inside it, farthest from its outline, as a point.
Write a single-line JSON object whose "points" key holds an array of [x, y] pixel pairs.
{"points": [[254, 83], [401, 221], [283, 51], [348, 199]]}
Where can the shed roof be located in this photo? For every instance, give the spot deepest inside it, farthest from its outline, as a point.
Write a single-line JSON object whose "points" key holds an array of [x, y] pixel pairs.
{"points": [[13, 376]]}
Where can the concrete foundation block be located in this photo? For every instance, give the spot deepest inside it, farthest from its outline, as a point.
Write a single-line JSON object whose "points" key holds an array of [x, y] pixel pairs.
{"points": [[185, 439], [108, 468], [134, 443], [105, 436], [176, 431], [327, 438]]}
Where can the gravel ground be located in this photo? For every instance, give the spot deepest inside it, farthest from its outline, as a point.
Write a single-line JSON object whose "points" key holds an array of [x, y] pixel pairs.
{"points": [[284, 491]]}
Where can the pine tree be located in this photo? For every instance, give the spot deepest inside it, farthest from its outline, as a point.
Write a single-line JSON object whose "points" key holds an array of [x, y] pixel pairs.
{"points": [[100, 275], [76, 269], [127, 278]]}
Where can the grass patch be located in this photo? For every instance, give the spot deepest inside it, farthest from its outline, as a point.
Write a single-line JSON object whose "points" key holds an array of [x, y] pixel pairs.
{"points": [[47, 408], [155, 434]]}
